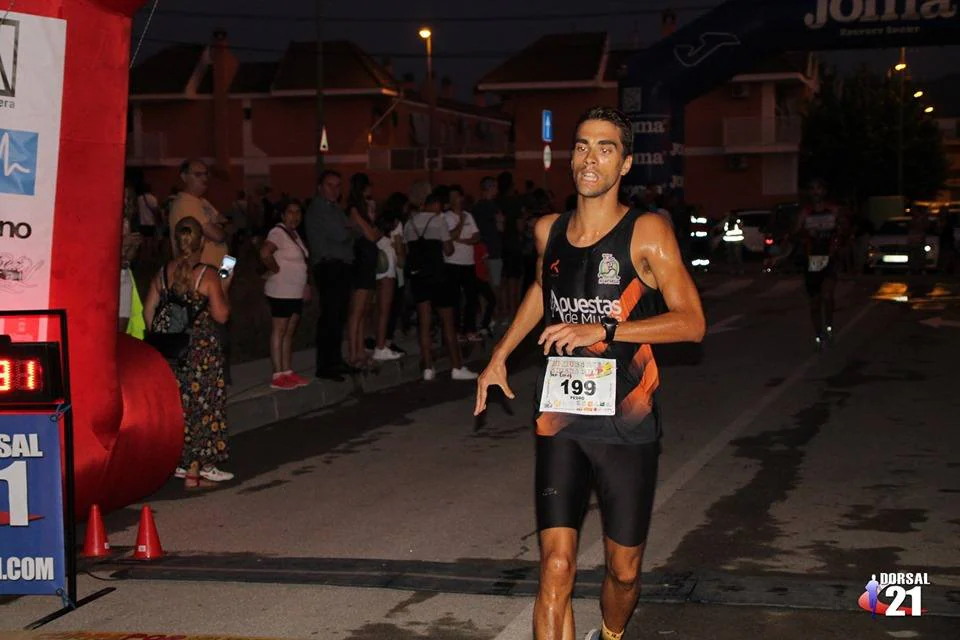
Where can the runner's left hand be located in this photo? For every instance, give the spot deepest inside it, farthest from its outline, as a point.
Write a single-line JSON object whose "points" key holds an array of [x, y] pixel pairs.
{"points": [[569, 336]]}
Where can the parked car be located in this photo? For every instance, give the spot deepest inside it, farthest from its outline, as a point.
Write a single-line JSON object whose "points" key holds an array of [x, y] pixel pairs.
{"points": [[889, 246], [755, 225]]}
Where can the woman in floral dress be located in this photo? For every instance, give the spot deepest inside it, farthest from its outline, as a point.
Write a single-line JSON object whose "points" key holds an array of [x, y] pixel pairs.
{"points": [[186, 282]]}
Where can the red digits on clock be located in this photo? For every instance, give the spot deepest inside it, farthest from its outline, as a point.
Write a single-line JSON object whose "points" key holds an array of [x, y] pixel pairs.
{"points": [[30, 369], [19, 375], [6, 375]]}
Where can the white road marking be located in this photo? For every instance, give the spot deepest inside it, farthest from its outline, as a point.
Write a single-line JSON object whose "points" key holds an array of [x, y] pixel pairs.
{"points": [[728, 287], [520, 628]]}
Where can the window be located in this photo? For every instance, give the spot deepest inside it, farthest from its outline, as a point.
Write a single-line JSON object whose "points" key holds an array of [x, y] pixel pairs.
{"points": [[248, 113]]}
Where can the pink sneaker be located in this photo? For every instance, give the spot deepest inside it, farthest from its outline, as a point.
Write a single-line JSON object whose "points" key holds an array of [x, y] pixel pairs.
{"points": [[297, 379], [283, 382]]}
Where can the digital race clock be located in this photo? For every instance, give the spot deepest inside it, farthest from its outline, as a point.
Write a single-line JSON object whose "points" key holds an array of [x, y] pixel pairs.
{"points": [[30, 373]]}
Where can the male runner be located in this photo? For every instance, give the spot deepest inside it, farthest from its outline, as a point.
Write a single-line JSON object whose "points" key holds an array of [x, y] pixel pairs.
{"points": [[818, 228], [610, 282]]}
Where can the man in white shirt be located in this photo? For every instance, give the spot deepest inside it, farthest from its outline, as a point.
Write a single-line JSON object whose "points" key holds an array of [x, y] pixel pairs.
{"points": [[461, 264]]}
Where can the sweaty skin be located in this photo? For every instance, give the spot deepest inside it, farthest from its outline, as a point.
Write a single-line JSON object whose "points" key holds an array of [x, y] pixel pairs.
{"points": [[598, 162]]}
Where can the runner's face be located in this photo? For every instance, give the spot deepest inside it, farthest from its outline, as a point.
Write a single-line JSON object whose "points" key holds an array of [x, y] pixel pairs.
{"points": [[597, 161]]}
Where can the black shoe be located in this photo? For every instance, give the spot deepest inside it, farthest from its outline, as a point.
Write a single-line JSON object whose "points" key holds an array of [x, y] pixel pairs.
{"points": [[326, 374], [345, 369]]}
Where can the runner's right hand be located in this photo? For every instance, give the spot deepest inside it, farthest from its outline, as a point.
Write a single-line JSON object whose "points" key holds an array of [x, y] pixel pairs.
{"points": [[495, 374]]}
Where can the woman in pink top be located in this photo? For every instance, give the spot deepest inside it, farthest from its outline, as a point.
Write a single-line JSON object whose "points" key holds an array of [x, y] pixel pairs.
{"points": [[285, 256]]}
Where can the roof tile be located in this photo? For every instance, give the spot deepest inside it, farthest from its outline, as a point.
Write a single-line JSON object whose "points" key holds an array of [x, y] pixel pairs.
{"points": [[564, 57], [345, 66], [167, 71]]}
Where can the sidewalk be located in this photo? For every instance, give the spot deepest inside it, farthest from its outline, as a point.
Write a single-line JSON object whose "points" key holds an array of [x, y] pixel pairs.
{"points": [[251, 403]]}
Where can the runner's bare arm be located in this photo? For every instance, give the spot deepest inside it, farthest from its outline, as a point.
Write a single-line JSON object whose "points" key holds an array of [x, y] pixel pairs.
{"points": [[528, 316], [531, 309], [657, 258]]}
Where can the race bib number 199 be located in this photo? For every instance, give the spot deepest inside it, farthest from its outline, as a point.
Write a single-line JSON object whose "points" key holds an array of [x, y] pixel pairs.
{"points": [[584, 386]]}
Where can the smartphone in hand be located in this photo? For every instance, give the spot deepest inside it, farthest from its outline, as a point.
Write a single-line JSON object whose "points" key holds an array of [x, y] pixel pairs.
{"points": [[226, 266]]}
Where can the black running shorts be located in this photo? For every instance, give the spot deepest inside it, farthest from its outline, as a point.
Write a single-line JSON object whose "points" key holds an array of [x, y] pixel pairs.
{"points": [[624, 476], [813, 280]]}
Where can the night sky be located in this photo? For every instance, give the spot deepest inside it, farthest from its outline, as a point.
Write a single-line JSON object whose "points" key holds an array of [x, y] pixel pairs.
{"points": [[486, 33]]}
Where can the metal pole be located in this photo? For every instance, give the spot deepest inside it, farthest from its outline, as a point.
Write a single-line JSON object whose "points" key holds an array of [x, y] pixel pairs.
{"points": [[903, 79], [318, 18], [430, 109]]}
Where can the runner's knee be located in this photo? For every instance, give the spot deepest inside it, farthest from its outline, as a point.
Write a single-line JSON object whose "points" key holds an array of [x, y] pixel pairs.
{"points": [[558, 570], [625, 572]]}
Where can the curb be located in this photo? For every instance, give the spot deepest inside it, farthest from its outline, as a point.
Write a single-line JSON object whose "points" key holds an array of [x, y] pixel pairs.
{"points": [[265, 406]]}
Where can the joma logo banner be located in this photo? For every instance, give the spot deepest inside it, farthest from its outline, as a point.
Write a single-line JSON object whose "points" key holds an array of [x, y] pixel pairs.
{"points": [[867, 11]]}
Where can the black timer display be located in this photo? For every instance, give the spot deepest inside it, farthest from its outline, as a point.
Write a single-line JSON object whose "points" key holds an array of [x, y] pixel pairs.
{"points": [[30, 373]]}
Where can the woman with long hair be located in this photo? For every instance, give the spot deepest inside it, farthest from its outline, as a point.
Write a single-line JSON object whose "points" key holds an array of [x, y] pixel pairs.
{"points": [[186, 283], [362, 210], [285, 256]]}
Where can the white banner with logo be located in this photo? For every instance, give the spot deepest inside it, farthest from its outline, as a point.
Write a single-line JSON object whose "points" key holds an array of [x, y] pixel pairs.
{"points": [[32, 50]]}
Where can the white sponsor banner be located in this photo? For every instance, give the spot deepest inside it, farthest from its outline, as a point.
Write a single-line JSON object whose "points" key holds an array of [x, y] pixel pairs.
{"points": [[32, 52]]}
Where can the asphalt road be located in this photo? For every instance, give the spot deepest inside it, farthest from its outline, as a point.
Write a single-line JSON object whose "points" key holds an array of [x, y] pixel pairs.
{"points": [[787, 478]]}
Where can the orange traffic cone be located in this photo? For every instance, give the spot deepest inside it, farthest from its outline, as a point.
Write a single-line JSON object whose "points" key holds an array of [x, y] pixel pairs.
{"points": [[148, 542], [95, 544]]}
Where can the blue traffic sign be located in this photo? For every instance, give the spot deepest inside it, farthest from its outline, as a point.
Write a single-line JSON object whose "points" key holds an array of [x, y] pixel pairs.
{"points": [[547, 124]]}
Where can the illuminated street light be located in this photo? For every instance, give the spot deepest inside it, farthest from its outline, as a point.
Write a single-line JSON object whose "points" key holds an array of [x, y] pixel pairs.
{"points": [[900, 66], [928, 110], [427, 35], [918, 94]]}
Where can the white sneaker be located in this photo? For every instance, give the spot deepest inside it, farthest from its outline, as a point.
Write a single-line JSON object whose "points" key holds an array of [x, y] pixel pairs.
{"points": [[180, 473], [429, 374], [462, 373], [385, 354], [593, 634], [213, 474]]}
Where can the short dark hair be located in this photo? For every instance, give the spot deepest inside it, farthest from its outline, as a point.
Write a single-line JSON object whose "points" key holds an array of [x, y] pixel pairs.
{"points": [[433, 198], [615, 117], [458, 189], [327, 173], [185, 165]]}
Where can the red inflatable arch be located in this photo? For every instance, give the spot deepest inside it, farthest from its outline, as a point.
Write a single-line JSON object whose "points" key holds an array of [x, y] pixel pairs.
{"points": [[127, 415]]}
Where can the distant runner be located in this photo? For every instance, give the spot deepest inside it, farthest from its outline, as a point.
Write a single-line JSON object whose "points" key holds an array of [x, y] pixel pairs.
{"points": [[610, 282], [818, 228]]}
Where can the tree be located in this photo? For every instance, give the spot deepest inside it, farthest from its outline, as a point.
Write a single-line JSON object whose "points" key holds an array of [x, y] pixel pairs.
{"points": [[850, 138]]}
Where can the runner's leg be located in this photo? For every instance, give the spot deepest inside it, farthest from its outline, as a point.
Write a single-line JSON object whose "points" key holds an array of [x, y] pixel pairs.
{"points": [[621, 586], [562, 491]]}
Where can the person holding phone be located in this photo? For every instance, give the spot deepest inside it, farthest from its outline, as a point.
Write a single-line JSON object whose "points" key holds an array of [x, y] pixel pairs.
{"points": [[285, 255], [187, 283]]}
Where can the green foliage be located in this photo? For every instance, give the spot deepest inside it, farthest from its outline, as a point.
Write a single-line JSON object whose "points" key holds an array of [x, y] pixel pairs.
{"points": [[851, 138]]}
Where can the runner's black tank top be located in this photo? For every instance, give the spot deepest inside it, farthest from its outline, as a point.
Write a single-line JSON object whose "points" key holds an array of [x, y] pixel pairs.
{"points": [[580, 286]]}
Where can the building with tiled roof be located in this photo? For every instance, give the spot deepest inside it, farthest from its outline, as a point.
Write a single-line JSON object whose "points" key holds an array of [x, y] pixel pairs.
{"points": [[944, 96], [742, 138], [256, 121]]}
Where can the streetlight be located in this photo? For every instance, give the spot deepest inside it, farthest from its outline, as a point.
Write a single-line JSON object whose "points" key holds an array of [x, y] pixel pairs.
{"points": [[427, 36], [901, 67], [928, 110], [918, 94]]}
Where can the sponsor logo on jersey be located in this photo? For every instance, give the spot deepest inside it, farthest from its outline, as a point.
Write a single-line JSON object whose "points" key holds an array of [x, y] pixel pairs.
{"points": [[609, 271], [583, 310]]}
